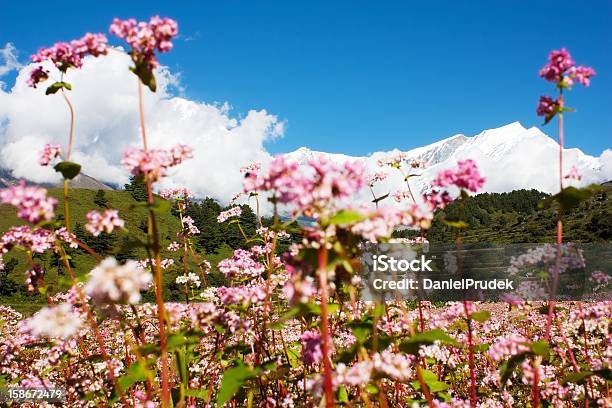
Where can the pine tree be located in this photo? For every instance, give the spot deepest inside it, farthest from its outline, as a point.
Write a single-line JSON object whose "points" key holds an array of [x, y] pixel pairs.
{"points": [[137, 188], [100, 199]]}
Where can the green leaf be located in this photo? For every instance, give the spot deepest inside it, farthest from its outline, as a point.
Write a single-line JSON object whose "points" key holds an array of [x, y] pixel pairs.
{"points": [[372, 389], [412, 344], [68, 169], [134, 373], [233, 380], [200, 394], [145, 73], [56, 86], [581, 376], [507, 367], [481, 316], [540, 348], [571, 197], [378, 199], [432, 382], [361, 330], [346, 217], [342, 394]]}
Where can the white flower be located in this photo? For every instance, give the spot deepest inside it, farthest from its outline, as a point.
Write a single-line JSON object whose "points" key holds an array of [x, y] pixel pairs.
{"points": [[110, 282], [59, 321]]}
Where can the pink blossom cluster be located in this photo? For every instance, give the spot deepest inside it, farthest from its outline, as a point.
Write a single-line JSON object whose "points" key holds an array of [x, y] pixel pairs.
{"points": [[574, 174], [252, 168], [401, 195], [241, 265], [111, 283], [153, 164], [67, 55], [49, 153], [173, 246], [311, 347], [179, 193], [190, 279], [105, 222], [227, 214], [465, 176], [37, 240], [190, 228], [508, 346], [59, 321], [241, 295], [374, 178], [68, 237], [299, 289], [31, 202], [438, 199], [37, 75], [312, 187], [393, 160], [146, 37], [547, 106], [546, 255], [561, 68]]}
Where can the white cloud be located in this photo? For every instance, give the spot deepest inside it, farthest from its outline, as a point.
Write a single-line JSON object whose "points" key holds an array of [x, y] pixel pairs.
{"points": [[8, 59], [104, 96]]}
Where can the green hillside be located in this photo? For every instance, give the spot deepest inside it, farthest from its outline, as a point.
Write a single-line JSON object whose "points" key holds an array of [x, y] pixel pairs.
{"points": [[515, 217], [512, 217], [12, 288]]}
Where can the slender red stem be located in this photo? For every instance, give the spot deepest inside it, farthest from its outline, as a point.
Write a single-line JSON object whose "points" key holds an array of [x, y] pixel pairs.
{"points": [[327, 368], [159, 298]]}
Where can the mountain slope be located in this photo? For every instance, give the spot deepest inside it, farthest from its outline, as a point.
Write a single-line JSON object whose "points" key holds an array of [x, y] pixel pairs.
{"points": [[511, 157], [81, 181]]}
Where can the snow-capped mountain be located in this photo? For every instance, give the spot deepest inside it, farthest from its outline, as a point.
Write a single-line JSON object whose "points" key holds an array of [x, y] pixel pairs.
{"points": [[510, 157]]}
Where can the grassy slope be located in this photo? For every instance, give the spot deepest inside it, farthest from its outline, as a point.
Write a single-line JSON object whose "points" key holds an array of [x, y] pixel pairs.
{"points": [[589, 222], [81, 201]]}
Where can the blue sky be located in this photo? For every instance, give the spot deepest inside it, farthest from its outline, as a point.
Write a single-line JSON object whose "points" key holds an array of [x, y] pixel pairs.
{"points": [[356, 77]]}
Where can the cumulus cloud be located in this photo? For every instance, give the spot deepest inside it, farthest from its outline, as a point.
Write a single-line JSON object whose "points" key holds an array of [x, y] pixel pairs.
{"points": [[8, 60], [105, 100]]}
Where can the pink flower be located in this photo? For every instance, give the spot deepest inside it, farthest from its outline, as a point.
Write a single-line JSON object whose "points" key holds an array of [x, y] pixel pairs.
{"points": [[582, 74], [154, 163], [180, 193], [37, 75], [173, 247], [105, 222], [67, 237], [70, 55], [508, 346], [560, 69], [232, 212], [374, 178], [547, 106], [559, 61], [49, 153], [241, 265], [574, 174], [311, 347], [145, 38], [32, 203], [189, 226], [251, 168], [466, 176], [436, 199], [36, 240]]}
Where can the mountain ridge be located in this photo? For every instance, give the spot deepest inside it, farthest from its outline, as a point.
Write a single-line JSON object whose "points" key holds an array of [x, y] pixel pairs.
{"points": [[528, 154]]}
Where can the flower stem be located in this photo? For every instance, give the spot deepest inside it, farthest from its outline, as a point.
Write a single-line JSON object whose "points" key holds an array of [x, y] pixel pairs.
{"points": [[153, 235], [327, 369]]}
